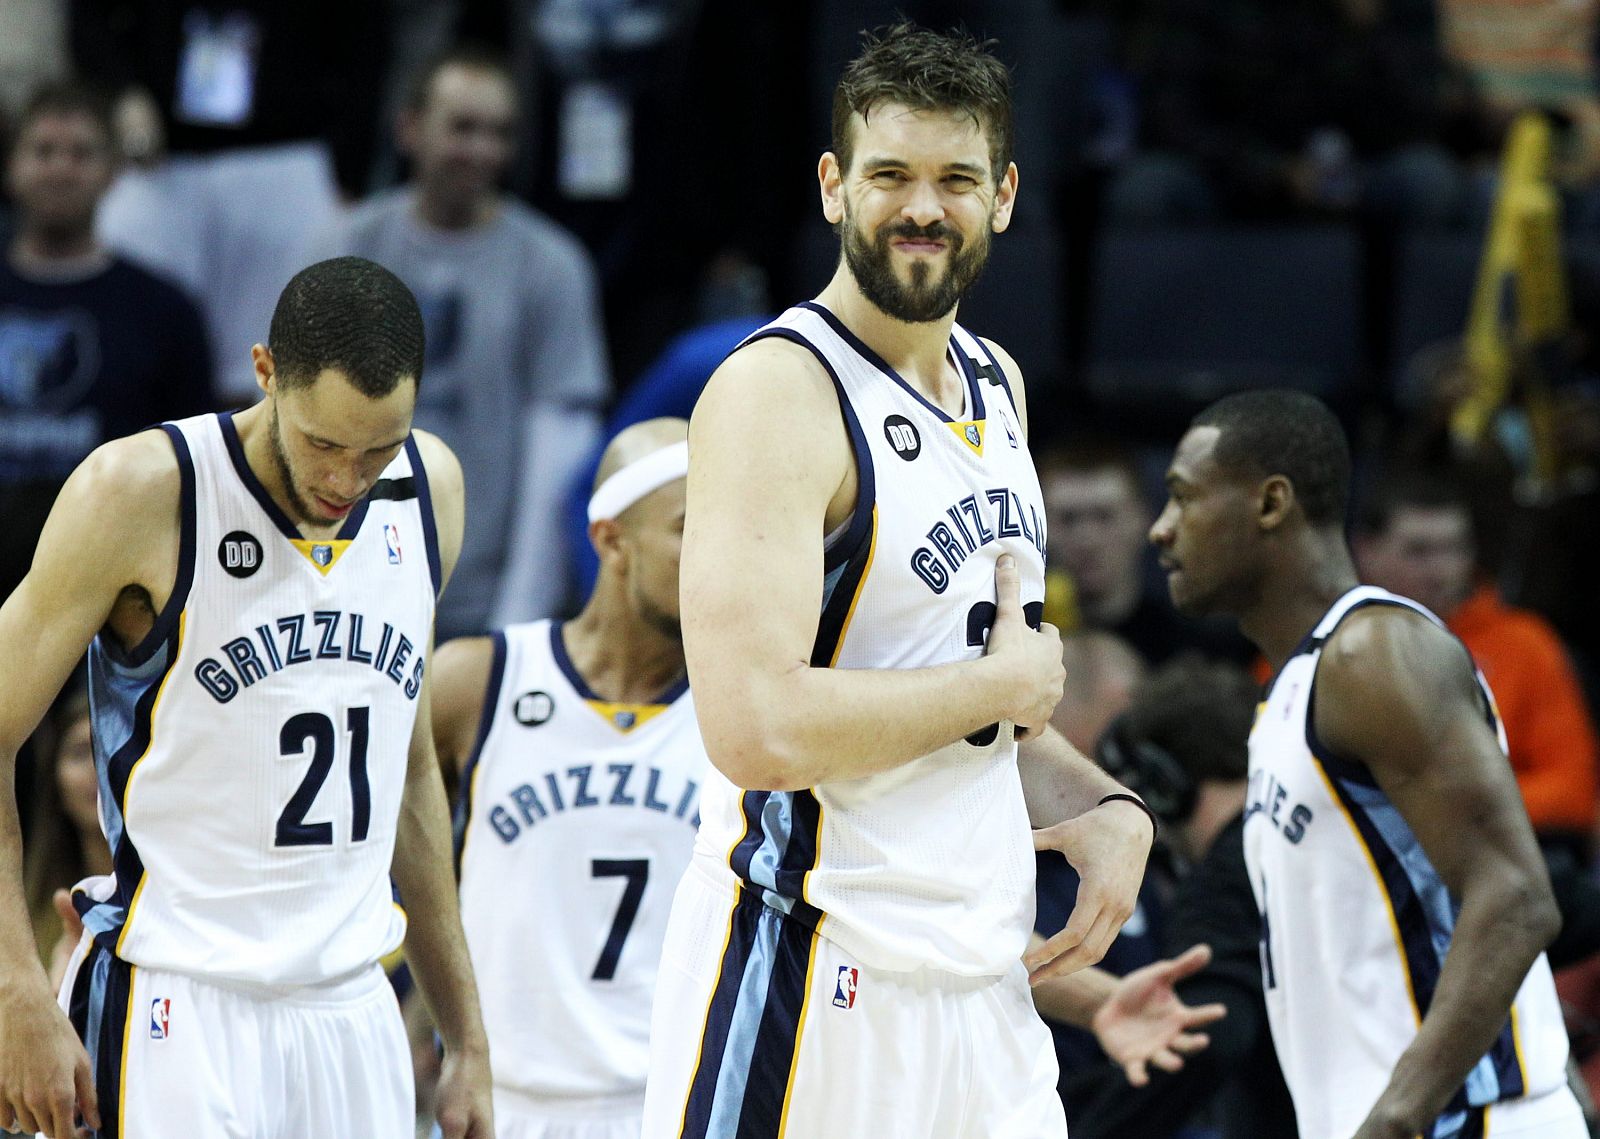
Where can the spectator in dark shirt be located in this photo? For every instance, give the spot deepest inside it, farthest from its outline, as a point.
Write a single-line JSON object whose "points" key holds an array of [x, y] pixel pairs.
{"points": [[91, 346], [1181, 746], [1097, 516]]}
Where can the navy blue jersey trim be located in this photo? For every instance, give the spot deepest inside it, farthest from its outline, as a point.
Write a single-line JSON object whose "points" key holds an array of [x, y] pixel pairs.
{"points": [[558, 649], [393, 490], [166, 622], [993, 372], [778, 1036], [800, 855], [430, 527], [837, 604], [969, 370], [241, 467], [866, 352], [751, 805], [860, 522], [486, 719], [119, 767], [1416, 934], [104, 1029], [747, 912]]}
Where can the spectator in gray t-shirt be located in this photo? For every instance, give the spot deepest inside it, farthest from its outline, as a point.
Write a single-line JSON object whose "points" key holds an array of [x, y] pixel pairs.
{"points": [[516, 373]]}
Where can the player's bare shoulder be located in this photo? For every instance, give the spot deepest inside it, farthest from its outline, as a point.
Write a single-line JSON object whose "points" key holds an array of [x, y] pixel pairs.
{"points": [[447, 488], [129, 494], [460, 679], [771, 411], [1389, 674]]}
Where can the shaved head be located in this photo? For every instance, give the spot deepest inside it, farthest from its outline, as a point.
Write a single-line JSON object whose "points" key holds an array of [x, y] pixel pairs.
{"points": [[634, 443]]}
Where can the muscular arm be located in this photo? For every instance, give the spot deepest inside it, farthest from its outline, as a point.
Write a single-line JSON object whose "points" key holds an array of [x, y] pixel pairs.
{"points": [[1398, 694], [768, 455], [436, 947], [113, 534]]}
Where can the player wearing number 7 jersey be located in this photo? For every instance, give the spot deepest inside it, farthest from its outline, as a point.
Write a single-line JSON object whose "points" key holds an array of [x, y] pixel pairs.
{"points": [[581, 765], [259, 590]]}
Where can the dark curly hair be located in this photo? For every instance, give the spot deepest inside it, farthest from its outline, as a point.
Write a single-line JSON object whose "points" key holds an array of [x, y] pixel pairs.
{"points": [[1283, 432], [926, 70], [1200, 712], [352, 315]]}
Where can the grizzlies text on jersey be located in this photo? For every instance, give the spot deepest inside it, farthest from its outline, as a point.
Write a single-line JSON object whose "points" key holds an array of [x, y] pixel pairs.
{"points": [[1356, 922], [577, 823], [252, 751], [930, 864]]}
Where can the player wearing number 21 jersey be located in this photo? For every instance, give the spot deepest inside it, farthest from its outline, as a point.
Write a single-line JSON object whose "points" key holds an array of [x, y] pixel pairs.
{"points": [[581, 766], [263, 587]]}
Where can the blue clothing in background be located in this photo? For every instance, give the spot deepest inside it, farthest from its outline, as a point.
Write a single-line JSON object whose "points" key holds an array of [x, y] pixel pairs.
{"points": [[670, 386]]}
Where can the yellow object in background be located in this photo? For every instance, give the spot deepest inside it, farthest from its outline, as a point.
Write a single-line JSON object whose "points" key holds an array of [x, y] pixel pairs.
{"points": [[1520, 311]]}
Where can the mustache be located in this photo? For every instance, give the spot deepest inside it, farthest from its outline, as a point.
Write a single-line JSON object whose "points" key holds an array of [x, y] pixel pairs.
{"points": [[935, 231]]}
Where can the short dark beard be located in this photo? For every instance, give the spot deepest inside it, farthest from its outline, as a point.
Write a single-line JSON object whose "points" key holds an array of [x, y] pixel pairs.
{"points": [[667, 624], [280, 458], [923, 301]]}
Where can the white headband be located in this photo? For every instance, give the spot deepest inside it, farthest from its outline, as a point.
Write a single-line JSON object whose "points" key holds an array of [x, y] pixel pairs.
{"points": [[638, 479]]}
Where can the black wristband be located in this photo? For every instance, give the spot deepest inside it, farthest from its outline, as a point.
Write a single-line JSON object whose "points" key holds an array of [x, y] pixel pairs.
{"points": [[1155, 827]]}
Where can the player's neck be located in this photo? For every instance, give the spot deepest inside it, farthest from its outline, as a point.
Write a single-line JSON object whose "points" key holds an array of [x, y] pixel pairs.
{"points": [[255, 438], [1297, 593], [918, 352], [621, 657]]}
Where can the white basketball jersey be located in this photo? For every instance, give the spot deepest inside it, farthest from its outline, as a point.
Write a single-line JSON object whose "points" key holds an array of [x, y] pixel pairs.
{"points": [[252, 750], [1356, 922], [577, 822], [929, 864]]}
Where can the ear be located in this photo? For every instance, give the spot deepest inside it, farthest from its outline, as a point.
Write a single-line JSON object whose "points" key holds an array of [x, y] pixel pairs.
{"points": [[1005, 197], [830, 182], [1276, 501], [266, 368], [606, 538]]}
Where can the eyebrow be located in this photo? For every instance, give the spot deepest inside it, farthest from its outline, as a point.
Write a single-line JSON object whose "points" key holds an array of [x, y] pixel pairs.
{"points": [[901, 164], [345, 447]]}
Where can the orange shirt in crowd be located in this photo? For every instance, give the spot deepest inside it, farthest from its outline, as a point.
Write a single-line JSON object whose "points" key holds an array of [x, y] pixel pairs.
{"points": [[1553, 748]]}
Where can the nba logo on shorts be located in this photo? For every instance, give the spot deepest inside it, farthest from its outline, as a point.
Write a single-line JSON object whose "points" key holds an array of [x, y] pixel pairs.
{"points": [[391, 540], [160, 1016], [844, 990]]}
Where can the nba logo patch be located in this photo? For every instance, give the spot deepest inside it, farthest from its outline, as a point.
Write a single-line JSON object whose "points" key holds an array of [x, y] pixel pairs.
{"points": [[1010, 434], [844, 989], [160, 1018], [391, 541]]}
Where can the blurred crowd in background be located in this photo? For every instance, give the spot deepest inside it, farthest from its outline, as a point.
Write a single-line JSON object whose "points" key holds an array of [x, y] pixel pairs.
{"points": [[1393, 204]]}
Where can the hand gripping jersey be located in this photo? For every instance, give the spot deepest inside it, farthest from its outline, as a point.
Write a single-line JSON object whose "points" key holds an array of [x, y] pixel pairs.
{"points": [[1356, 922], [930, 864], [252, 750], [577, 823]]}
